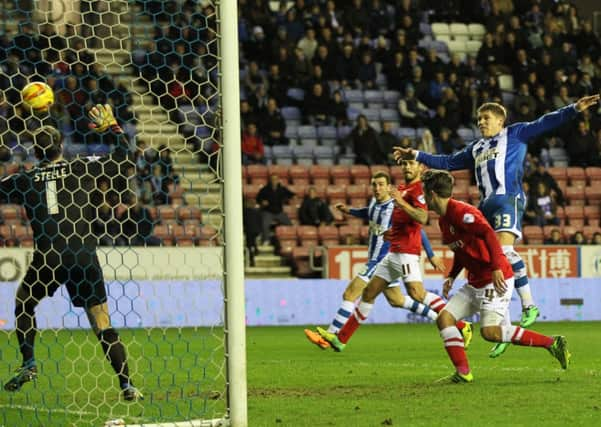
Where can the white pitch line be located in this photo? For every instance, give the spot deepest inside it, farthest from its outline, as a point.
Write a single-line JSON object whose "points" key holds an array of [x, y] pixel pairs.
{"points": [[64, 411]]}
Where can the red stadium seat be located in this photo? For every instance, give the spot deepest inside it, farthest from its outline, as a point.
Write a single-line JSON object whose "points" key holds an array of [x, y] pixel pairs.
{"points": [[433, 218], [434, 234], [336, 194], [576, 177], [360, 174], [547, 229], [379, 168], [357, 195], [208, 236], [568, 231], [592, 214], [328, 235], [257, 174], [189, 212], [166, 212], [299, 174], [320, 175], [291, 210], [11, 213], [575, 215], [350, 234], [462, 177], [301, 263], [533, 234], [593, 175], [575, 196], [589, 230], [340, 174], [307, 235], [251, 190], [287, 240], [396, 175], [6, 231], [281, 171], [593, 194]]}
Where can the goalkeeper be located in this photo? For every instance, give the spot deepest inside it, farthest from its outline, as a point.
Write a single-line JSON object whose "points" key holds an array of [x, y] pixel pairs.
{"points": [[58, 196]]}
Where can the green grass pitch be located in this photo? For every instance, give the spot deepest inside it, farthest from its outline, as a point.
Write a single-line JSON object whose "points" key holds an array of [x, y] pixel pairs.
{"points": [[384, 377]]}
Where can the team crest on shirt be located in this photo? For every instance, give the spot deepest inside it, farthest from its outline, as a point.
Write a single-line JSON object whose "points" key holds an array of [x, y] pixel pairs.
{"points": [[468, 218], [421, 199]]}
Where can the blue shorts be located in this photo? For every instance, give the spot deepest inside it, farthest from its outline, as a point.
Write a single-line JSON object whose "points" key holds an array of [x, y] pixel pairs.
{"points": [[504, 213]]}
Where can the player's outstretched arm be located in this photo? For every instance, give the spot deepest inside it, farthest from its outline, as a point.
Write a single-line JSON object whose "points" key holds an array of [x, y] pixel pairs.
{"points": [[586, 102], [461, 160]]}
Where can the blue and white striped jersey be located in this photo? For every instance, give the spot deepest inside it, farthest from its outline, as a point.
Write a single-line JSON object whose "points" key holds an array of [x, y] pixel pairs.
{"points": [[498, 162], [379, 216]]}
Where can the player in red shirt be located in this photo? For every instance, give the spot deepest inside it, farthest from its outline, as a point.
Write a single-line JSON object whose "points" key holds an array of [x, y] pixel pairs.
{"points": [[402, 260], [490, 279]]}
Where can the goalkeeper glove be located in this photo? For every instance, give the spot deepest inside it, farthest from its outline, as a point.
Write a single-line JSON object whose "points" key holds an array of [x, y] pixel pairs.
{"points": [[102, 118]]}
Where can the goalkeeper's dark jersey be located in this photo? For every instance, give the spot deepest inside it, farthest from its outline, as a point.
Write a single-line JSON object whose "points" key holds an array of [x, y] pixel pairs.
{"points": [[61, 198]]}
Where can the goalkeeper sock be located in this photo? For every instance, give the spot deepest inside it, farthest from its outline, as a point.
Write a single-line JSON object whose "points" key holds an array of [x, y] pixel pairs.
{"points": [[26, 328], [342, 315], [115, 353]]}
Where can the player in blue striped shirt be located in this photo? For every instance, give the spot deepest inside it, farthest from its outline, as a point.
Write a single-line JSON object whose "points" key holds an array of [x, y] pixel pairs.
{"points": [[379, 215], [497, 160]]}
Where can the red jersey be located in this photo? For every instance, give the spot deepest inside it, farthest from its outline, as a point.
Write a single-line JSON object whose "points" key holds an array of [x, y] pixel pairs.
{"points": [[406, 237], [474, 242]]}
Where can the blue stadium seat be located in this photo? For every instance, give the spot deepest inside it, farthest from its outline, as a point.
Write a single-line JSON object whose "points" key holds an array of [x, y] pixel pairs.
{"points": [[391, 98], [307, 134], [354, 96], [404, 131], [291, 133], [372, 114], [292, 115], [352, 113], [390, 115], [327, 135], [303, 155], [324, 155], [344, 131], [282, 154], [374, 98], [296, 93], [98, 149], [467, 134]]}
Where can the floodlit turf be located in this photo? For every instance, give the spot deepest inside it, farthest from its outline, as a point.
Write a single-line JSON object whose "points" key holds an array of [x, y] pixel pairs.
{"points": [[384, 377]]}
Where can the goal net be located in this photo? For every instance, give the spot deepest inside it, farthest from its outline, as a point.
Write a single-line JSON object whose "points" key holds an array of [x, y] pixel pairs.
{"points": [[156, 213]]}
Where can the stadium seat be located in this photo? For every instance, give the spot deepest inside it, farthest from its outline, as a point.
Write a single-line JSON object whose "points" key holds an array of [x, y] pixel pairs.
{"points": [[281, 171], [406, 132], [364, 234], [462, 176], [295, 93], [292, 115], [10, 213], [328, 235], [589, 230], [291, 132], [593, 195], [251, 190], [303, 155], [354, 96], [344, 131], [360, 174], [432, 218], [301, 262], [473, 46], [457, 46], [374, 98], [307, 235], [390, 115], [346, 158], [466, 134], [324, 155], [373, 169], [372, 115], [340, 175], [425, 29], [257, 174], [576, 177], [185, 213], [391, 98], [592, 213], [461, 191], [440, 29], [476, 31], [350, 234], [533, 234], [357, 195], [291, 210], [328, 135], [593, 174], [397, 176], [320, 175], [575, 195], [307, 134], [336, 194], [299, 174], [166, 212], [286, 237], [163, 233], [506, 82], [208, 236], [575, 215], [558, 174], [458, 29], [299, 192]]}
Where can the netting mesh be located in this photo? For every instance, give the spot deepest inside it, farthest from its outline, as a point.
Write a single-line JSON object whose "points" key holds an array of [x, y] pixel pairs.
{"points": [[150, 200]]}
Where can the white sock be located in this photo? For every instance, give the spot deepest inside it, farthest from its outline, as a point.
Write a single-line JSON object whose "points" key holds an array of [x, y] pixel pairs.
{"points": [[435, 302], [362, 311], [419, 308], [522, 286], [344, 312]]}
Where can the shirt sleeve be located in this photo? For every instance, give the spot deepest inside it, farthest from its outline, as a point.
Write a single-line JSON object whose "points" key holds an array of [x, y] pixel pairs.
{"points": [[359, 212], [476, 224], [461, 160], [545, 123], [426, 245]]}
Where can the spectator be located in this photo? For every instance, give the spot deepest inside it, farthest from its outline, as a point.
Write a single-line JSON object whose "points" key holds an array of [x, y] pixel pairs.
{"points": [[313, 210], [426, 142], [339, 108], [596, 239], [308, 44], [252, 221], [578, 238], [387, 141], [364, 140], [317, 106], [137, 226], [554, 238], [301, 68], [347, 67], [562, 98], [271, 198], [396, 71], [159, 184], [367, 71], [544, 205], [253, 150], [582, 144], [273, 124], [413, 111], [540, 174], [523, 97]]}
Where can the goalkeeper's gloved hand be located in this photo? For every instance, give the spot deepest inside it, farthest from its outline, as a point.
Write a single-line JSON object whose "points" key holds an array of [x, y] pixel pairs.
{"points": [[102, 118]]}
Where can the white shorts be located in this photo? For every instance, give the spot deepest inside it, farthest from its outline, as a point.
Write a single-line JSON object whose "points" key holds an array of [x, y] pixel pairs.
{"points": [[396, 266], [491, 306]]}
